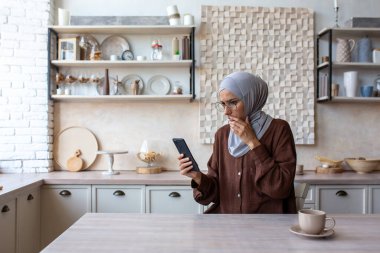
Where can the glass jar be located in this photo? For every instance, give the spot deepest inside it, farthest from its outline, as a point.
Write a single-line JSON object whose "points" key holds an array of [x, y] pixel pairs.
{"points": [[157, 52]]}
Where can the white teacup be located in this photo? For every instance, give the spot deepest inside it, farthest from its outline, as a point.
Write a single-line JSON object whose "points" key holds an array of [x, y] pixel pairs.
{"points": [[314, 221]]}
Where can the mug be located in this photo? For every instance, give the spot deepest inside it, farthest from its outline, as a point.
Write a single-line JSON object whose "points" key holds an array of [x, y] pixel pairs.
{"points": [[344, 49], [188, 19], [366, 90], [314, 221], [350, 83]]}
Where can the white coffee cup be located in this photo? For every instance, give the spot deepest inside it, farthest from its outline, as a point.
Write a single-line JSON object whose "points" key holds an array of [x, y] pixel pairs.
{"points": [[114, 57], [314, 221], [140, 58], [63, 17], [188, 19], [351, 83]]}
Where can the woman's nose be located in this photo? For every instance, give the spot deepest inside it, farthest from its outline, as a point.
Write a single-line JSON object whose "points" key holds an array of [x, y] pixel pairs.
{"points": [[227, 110]]}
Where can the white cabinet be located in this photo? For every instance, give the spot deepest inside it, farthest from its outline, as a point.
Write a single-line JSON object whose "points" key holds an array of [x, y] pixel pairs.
{"points": [[118, 199], [8, 227], [374, 199], [342, 198], [28, 222], [61, 206], [171, 199]]}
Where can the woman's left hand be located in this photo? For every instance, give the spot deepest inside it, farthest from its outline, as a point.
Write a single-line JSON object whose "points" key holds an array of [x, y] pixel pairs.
{"points": [[244, 130]]}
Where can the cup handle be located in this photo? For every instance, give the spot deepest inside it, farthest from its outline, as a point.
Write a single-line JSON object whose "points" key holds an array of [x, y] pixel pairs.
{"points": [[352, 44], [331, 225]]}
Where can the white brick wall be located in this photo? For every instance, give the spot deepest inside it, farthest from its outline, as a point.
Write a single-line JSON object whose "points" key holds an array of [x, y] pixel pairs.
{"points": [[26, 116]]}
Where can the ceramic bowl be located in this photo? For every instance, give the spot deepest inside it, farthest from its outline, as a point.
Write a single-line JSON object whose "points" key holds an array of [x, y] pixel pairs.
{"points": [[363, 166]]}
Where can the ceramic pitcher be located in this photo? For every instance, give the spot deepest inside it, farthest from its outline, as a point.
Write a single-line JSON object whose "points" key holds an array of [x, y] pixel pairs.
{"points": [[344, 49]]}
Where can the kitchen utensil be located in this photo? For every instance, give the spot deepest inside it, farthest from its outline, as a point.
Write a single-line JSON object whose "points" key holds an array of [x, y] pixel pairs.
{"points": [[113, 45], [158, 85], [344, 49], [75, 163], [73, 138]]}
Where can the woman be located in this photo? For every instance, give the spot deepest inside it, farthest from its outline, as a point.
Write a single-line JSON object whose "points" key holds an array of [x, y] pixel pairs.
{"points": [[252, 167]]}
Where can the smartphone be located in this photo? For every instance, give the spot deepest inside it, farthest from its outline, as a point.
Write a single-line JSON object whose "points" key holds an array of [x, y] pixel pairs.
{"points": [[184, 149]]}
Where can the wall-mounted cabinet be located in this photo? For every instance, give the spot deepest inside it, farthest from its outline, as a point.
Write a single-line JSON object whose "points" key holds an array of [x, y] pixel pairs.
{"points": [[331, 70], [159, 78]]}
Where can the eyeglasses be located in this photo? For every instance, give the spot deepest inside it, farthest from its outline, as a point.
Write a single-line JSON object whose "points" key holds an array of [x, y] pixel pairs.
{"points": [[231, 104]]}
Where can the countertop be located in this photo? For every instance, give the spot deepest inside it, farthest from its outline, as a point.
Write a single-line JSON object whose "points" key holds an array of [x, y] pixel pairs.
{"points": [[14, 184], [100, 232]]}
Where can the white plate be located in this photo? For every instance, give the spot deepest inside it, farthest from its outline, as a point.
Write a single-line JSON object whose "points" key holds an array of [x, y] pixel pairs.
{"points": [[295, 229], [127, 81], [71, 139], [158, 85], [113, 45]]}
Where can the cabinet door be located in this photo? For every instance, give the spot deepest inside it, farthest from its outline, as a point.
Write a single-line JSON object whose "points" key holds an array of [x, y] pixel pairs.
{"points": [[28, 222], [8, 227], [374, 199], [118, 199], [342, 199], [61, 206], [171, 199]]}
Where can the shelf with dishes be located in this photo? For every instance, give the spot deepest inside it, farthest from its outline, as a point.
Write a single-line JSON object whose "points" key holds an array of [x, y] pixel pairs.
{"points": [[121, 63], [347, 65], [124, 50], [120, 98]]}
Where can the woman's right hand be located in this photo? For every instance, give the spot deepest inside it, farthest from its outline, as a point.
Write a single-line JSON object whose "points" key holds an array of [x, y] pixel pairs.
{"points": [[185, 166]]}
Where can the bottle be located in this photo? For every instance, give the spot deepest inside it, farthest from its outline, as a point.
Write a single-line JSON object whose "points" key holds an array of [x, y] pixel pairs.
{"points": [[175, 46], [185, 48], [106, 84]]}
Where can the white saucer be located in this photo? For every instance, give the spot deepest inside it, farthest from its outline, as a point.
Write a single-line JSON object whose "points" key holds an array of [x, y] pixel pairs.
{"points": [[295, 229]]}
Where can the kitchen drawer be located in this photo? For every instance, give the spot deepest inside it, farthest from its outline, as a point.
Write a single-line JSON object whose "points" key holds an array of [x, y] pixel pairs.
{"points": [[374, 199], [118, 199], [342, 199], [171, 199]]}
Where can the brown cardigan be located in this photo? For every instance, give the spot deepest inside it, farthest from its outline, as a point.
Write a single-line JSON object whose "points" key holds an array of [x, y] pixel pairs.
{"points": [[261, 181]]}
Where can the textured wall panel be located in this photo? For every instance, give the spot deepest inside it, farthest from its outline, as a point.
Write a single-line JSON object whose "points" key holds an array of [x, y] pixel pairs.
{"points": [[275, 43]]}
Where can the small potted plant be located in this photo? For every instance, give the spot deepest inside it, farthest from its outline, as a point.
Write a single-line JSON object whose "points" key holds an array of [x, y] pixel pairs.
{"points": [[176, 56]]}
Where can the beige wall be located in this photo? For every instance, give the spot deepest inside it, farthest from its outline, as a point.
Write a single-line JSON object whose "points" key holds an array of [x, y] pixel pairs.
{"points": [[342, 130]]}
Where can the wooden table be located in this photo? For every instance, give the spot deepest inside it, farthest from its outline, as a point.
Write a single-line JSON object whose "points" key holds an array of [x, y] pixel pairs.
{"points": [[96, 232]]}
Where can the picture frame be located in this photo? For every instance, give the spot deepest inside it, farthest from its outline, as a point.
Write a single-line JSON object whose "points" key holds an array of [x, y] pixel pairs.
{"points": [[68, 49]]}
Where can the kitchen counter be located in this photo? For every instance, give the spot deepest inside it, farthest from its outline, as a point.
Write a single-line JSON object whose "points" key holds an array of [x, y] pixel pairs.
{"points": [[99, 232], [14, 184]]}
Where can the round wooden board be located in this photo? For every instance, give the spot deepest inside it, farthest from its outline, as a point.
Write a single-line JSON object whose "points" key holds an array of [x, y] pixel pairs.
{"points": [[320, 170], [74, 164], [148, 170]]}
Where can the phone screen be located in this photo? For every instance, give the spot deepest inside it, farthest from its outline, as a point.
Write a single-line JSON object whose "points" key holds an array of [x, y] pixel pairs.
{"points": [[184, 149]]}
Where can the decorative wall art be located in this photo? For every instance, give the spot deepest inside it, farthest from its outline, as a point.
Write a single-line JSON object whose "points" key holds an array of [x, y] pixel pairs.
{"points": [[274, 43]]}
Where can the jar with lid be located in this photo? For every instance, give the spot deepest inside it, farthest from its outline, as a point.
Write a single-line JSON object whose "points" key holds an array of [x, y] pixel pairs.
{"points": [[157, 50]]}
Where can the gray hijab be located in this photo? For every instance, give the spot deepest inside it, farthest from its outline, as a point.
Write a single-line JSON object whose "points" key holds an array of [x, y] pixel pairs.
{"points": [[253, 91]]}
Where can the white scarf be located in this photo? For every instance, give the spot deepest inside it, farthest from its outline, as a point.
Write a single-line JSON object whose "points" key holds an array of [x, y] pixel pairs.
{"points": [[253, 92]]}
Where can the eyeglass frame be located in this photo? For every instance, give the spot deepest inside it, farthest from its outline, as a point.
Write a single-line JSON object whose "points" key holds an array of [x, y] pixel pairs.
{"points": [[230, 104]]}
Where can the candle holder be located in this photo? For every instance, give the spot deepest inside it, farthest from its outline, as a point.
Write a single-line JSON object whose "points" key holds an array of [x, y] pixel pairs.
{"points": [[336, 9]]}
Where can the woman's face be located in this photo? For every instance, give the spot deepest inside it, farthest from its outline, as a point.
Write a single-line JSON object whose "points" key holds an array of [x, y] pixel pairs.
{"points": [[233, 106]]}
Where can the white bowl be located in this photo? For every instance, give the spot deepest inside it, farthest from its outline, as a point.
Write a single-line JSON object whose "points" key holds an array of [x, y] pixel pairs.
{"points": [[363, 166]]}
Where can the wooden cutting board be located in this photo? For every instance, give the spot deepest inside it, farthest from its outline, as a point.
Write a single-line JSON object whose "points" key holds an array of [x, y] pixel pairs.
{"points": [[332, 170], [148, 170], [75, 163]]}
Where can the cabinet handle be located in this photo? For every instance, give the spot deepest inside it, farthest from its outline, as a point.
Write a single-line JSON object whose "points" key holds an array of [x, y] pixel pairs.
{"points": [[65, 193], [30, 197], [174, 195], [5, 209], [341, 193], [119, 193]]}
